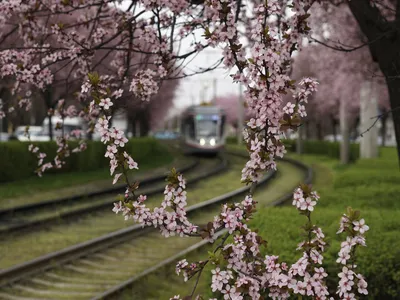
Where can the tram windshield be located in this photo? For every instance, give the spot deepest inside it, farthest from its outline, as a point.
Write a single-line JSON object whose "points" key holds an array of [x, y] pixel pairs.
{"points": [[207, 128]]}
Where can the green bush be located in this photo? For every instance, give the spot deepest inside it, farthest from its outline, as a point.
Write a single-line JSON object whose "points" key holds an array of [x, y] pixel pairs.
{"points": [[231, 140], [330, 149], [16, 162], [379, 261]]}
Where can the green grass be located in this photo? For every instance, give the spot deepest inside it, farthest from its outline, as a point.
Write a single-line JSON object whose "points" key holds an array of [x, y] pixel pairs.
{"points": [[370, 185], [373, 186], [52, 186]]}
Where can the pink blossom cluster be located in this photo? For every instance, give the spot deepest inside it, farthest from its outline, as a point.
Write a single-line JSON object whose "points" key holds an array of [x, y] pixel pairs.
{"points": [[350, 282], [19, 65], [170, 217], [241, 270], [304, 201], [143, 85], [99, 110], [264, 74], [63, 150]]}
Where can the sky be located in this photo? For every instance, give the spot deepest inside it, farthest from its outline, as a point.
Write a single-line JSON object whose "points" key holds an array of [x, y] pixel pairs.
{"points": [[198, 88]]}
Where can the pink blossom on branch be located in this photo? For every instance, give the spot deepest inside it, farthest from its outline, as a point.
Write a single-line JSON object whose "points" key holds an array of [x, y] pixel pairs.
{"points": [[259, 57]]}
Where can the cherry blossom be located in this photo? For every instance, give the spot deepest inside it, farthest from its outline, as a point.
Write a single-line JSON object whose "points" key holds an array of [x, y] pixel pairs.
{"points": [[106, 103], [258, 56], [360, 226]]}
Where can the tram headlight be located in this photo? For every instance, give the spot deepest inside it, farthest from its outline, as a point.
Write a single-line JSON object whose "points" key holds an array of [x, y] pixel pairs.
{"points": [[202, 142], [212, 142]]}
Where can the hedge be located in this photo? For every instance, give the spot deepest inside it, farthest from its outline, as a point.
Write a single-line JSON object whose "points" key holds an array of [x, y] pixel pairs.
{"points": [[330, 149], [16, 162], [372, 186]]}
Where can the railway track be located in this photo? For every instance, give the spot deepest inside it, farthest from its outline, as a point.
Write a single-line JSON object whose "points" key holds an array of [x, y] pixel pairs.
{"points": [[32, 216], [98, 269]]}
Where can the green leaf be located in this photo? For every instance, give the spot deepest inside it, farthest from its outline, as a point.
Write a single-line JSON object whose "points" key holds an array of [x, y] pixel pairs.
{"points": [[94, 78]]}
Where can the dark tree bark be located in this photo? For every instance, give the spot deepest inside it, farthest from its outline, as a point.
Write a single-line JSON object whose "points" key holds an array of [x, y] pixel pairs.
{"points": [[319, 131], [49, 105], [144, 123], [334, 132], [50, 126], [307, 130], [354, 134], [3, 121], [384, 45]]}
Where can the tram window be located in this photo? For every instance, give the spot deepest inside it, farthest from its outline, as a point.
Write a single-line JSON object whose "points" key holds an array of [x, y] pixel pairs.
{"points": [[207, 128]]}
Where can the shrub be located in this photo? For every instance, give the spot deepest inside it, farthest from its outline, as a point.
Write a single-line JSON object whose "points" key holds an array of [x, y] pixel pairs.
{"points": [[16, 162], [330, 149], [231, 140], [369, 185], [378, 262]]}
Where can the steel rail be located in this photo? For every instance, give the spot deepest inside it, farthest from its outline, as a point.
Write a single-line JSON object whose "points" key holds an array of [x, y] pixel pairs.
{"points": [[72, 253], [50, 260], [69, 215], [65, 200]]}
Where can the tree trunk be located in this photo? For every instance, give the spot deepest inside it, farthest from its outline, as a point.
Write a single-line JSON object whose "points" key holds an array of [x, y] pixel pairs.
{"points": [[145, 127], [319, 131], [344, 131], [3, 120], [368, 109], [299, 142], [137, 128], [132, 126], [48, 101], [50, 127], [384, 45], [307, 130], [394, 93], [334, 123], [356, 126]]}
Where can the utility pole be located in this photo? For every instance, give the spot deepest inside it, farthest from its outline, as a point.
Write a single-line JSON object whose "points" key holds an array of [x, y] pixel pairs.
{"points": [[178, 123], [214, 101], [203, 93], [240, 116]]}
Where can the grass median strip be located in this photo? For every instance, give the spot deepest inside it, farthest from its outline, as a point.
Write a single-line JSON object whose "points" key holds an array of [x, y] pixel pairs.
{"points": [[114, 264], [19, 248], [52, 186]]}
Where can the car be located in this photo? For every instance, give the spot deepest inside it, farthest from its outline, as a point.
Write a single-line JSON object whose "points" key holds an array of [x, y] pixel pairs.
{"points": [[35, 133]]}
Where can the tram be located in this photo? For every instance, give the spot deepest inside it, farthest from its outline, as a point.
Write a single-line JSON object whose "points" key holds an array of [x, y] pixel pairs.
{"points": [[203, 129]]}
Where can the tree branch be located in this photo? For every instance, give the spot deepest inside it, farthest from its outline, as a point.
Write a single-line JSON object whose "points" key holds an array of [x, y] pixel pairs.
{"points": [[349, 48], [377, 118]]}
